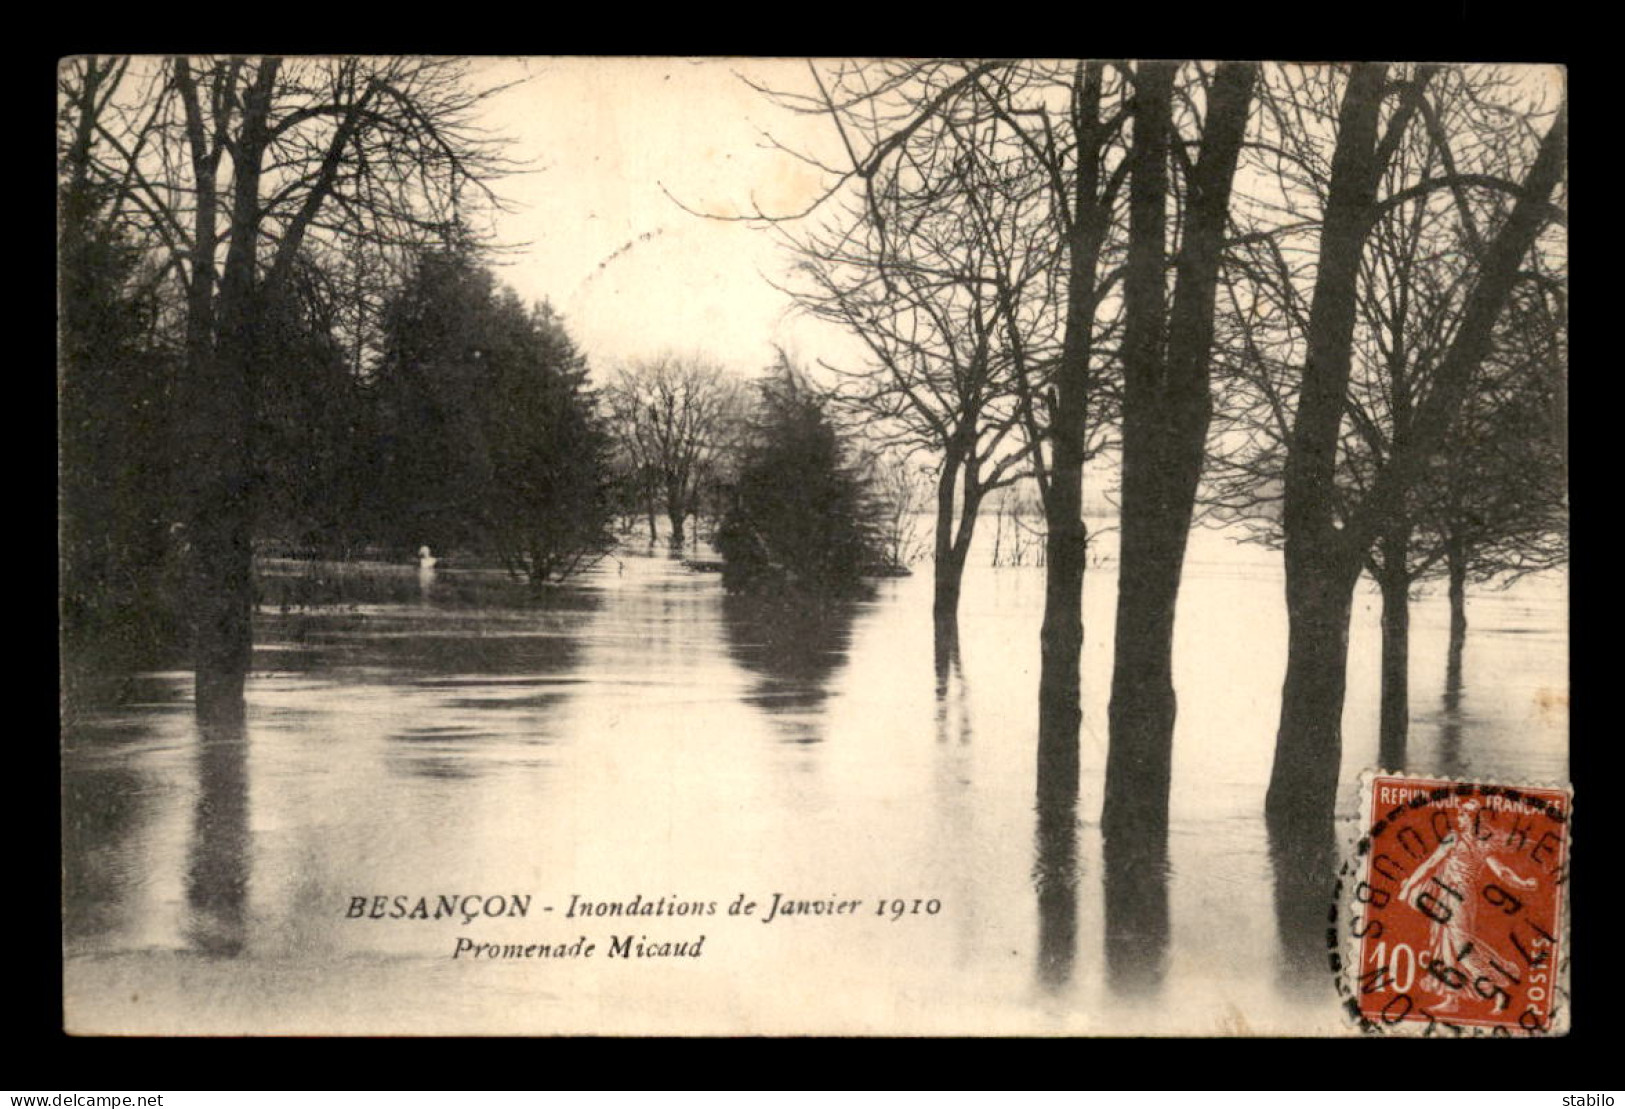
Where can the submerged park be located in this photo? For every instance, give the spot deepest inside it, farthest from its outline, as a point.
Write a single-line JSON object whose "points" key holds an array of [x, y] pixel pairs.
{"points": [[1186, 439]]}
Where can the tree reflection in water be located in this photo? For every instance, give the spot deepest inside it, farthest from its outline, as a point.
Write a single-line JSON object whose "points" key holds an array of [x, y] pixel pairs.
{"points": [[1451, 716], [793, 644], [1055, 877], [953, 708], [1055, 870], [1136, 889], [217, 862], [103, 807]]}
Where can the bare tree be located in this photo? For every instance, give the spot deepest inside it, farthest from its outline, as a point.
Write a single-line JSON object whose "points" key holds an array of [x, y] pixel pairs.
{"points": [[672, 416], [1059, 130], [903, 492], [1407, 308], [922, 273], [116, 368], [1327, 531], [1493, 505], [1058, 126], [1166, 410]]}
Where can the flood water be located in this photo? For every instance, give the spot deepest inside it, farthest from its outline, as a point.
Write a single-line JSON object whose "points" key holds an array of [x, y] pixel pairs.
{"points": [[639, 733]]}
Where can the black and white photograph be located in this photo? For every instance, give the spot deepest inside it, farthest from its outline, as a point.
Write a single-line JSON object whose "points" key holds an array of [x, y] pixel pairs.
{"points": [[717, 546]]}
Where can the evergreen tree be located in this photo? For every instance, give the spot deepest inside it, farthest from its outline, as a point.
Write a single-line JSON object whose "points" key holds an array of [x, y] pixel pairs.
{"points": [[311, 473], [433, 460], [800, 515], [551, 454], [489, 438], [116, 369]]}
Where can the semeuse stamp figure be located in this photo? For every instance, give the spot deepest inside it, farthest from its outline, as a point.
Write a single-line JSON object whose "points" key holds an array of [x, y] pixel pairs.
{"points": [[1458, 934]]}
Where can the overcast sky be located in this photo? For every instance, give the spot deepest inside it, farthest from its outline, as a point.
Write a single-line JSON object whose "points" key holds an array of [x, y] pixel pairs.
{"points": [[631, 271]]}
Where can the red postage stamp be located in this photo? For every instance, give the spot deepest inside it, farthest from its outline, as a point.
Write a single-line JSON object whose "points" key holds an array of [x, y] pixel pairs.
{"points": [[1455, 914]]}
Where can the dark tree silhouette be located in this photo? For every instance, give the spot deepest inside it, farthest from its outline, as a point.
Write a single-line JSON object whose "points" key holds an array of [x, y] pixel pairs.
{"points": [[673, 418], [489, 436], [310, 469], [233, 169], [800, 516], [1166, 410], [552, 451], [1494, 503], [1055, 128], [921, 271], [1046, 147], [1411, 286], [1323, 557], [117, 365]]}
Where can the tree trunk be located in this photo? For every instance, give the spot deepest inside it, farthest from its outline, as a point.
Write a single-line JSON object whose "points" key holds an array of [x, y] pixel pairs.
{"points": [[219, 425], [1143, 704], [1456, 561], [944, 656], [1304, 863], [1166, 415], [1142, 701], [1061, 637], [1055, 879], [1395, 582], [1319, 554], [1066, 541], [1136, 908], [676, 518], [946, 568], [221, 516], [1450, 719], [953, 540], [1309, 744], [217, 874], [1066, 544], [949, 574]]}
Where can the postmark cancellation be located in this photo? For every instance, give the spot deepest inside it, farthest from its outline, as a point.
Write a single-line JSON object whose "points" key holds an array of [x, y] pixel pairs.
{"points": [[1451, 909]]}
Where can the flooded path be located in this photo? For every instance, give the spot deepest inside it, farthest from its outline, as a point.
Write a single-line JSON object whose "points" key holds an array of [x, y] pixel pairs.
{"points": [[640, 734]]}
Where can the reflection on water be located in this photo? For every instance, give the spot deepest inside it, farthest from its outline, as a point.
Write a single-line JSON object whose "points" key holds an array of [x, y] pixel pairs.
{"points": [[1055, 877], [102, 809], [953, 694], [217, 871], [1136, 875], [795, 646], [1304, 863], [628, 733], [1450, 715]]}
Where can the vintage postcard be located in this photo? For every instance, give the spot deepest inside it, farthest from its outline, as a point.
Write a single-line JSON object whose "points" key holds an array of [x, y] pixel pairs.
{"points": [[720, 546]]}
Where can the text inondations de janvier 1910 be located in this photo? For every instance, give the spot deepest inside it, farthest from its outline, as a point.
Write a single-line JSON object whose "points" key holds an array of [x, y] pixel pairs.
{"points": [[775, 907]]}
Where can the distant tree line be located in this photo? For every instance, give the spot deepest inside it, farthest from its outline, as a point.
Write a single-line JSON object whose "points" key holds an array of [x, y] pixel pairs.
{"points": [[475, 429], [279, 333], [240, 194]]}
